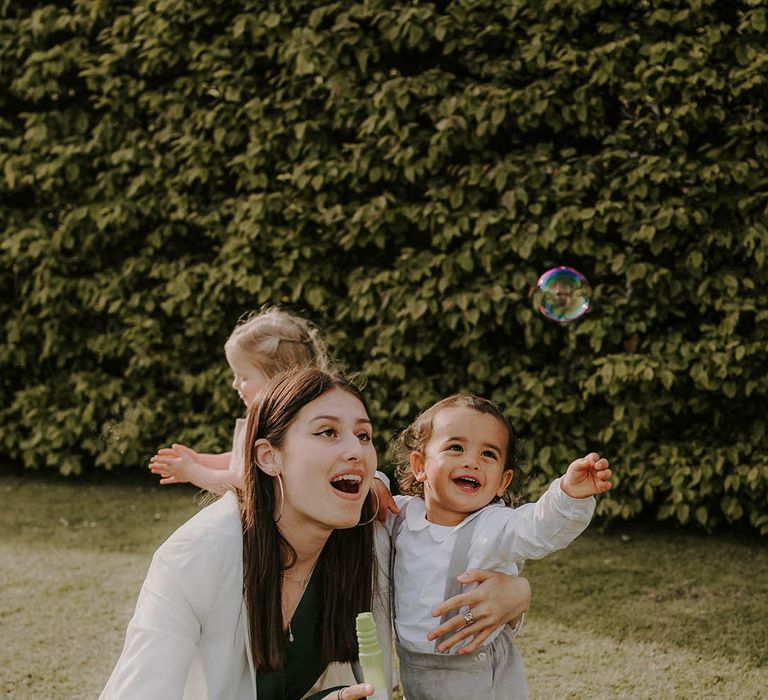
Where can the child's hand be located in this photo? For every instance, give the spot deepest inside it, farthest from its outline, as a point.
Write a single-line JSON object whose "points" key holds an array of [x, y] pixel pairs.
{"points": [[176, 465], [157, 465], [386, 501], [588, 476]]}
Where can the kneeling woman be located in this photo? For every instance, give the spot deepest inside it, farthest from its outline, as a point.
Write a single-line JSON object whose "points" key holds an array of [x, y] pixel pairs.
{"points": [[256, 596]]}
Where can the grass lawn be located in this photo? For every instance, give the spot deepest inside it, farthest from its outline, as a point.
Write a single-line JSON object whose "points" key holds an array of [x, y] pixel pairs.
{"points": [[639, 612]]}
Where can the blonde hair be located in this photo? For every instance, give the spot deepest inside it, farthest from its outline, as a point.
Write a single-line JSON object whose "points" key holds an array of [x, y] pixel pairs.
{"points": [[274, 341], [417, 435]]}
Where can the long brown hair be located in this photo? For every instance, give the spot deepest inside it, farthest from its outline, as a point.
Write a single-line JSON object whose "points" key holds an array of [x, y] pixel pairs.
{"points": [[346, 567]]}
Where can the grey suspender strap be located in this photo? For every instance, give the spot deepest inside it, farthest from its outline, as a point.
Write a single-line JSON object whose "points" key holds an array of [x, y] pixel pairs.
{"points": [[457, 566], [399, 520]]}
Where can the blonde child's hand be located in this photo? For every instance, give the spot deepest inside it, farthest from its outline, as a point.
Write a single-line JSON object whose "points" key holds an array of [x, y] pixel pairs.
{"points": [[177, 465], [588, 476], [157, 465], [386, 500], [352, 692]]}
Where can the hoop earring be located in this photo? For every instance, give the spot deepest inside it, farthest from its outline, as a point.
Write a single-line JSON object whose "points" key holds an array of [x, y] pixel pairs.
{"points": [[376, 511], [282, 497]]}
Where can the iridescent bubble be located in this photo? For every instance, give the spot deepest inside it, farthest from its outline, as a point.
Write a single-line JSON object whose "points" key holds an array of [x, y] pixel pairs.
{"points": [[562, 294]]}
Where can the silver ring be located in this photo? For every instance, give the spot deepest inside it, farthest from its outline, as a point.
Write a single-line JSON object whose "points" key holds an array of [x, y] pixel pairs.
{"points": [[341, 694], [468, 617]]}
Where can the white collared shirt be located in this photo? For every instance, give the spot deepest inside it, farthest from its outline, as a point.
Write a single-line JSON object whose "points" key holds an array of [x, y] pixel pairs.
{"points": [[503, 539]]}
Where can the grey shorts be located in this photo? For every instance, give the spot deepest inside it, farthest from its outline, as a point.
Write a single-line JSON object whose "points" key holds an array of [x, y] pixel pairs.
{"points": [[493, 672]]}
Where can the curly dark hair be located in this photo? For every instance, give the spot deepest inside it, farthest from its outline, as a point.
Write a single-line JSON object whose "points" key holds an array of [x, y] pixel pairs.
{"points": [[418, 434]]}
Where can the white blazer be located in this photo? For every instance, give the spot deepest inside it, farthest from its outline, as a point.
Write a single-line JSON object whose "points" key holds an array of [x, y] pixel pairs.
{"points": [[188, 636]]}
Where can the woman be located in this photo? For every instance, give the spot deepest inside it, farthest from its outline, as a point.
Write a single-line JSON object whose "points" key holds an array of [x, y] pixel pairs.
{"points": [[257, 597]]}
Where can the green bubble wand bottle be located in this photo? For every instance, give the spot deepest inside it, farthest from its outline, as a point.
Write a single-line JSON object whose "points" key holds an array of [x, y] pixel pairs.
{"points": [[370, 655]]}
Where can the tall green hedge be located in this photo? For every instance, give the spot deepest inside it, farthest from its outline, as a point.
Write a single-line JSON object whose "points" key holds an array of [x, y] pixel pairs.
{"points": [[401, 173]]}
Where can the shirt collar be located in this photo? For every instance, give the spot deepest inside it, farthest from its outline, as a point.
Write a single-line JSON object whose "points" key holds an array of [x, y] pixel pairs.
{"points": [[416, 515]]}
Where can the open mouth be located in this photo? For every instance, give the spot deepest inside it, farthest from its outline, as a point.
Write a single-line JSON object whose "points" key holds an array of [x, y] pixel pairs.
{"points": [[467, 483], [348, 483]]}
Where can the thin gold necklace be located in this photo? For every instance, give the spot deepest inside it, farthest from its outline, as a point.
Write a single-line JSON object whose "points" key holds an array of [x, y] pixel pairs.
{"points": [[304, 582]]}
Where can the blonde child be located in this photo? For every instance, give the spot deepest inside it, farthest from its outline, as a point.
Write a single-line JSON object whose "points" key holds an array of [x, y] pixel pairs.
{"points": [[260, 347], [455, 462]]}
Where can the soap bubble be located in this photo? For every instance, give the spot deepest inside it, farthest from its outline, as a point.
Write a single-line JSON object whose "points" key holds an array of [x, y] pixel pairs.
{"points": [[562, 294]]}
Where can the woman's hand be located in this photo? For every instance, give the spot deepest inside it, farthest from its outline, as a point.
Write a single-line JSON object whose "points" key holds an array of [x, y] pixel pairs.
{"points": [[498, 599], [386, 501], [353, 692]]}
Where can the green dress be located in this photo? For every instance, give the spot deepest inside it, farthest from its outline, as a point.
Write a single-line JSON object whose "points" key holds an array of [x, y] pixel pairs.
{"points": [[304, 664]]}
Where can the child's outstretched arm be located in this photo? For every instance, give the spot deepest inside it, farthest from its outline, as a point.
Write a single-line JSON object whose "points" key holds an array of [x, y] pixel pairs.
{"points": [[585, 477], [563, 512], [210, 460], [179, 465], [214, 460]]}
